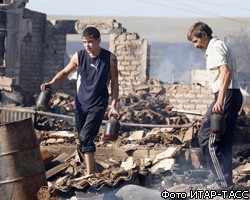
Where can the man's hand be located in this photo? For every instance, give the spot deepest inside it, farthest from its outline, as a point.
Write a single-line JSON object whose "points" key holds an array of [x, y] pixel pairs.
{"points": [[218, 107], [45, 85], [114, 111]]}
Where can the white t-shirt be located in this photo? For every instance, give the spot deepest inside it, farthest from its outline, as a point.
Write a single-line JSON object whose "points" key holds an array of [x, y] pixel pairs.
{"points": [[218, 53]]}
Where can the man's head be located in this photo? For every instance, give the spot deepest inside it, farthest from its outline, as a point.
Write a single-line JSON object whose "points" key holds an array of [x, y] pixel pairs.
{"points": [[91, 32], [200, 34], [91, 39]]}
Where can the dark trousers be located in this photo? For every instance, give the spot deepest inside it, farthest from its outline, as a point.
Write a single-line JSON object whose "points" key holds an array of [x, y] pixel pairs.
{"points": [[217, 148], [88, 124]]}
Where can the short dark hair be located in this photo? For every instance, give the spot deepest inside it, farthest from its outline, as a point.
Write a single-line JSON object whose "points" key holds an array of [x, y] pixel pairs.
{"points": [[197, 29], [91, 32]]}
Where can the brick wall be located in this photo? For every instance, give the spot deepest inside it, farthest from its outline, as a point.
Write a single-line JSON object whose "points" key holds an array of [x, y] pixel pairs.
{"points": [[189, 97], [54, 52], [32, 51], [132, 57]]}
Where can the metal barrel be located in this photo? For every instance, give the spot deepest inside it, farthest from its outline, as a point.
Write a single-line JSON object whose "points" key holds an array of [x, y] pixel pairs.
{"points": [[22, 172]]}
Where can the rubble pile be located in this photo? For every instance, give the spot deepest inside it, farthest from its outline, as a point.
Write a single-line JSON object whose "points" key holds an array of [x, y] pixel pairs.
{"points": [[141, 108], [147, 105], [157, 147], [154, 157]]}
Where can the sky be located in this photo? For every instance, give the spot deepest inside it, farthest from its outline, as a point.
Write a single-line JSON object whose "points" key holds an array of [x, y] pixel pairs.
{"points": [[143, 8]]}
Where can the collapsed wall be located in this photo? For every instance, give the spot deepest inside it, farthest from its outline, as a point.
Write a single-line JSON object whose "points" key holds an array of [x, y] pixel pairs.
{"points": [[21, 45]]}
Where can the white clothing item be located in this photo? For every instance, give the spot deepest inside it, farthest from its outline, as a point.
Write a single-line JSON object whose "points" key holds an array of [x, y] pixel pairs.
{"points": [[218, 53]]}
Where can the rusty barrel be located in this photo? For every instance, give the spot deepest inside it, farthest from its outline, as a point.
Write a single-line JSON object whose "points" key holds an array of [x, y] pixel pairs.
{"points": [[22, 172]]}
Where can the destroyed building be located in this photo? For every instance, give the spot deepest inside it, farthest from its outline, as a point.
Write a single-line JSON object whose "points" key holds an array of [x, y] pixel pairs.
{"points": [[159, 120], [33, 48]]}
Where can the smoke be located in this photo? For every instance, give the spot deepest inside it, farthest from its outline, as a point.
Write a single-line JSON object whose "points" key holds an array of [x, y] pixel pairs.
{"points": [[172, 62], [169, 62], [161, 69]]}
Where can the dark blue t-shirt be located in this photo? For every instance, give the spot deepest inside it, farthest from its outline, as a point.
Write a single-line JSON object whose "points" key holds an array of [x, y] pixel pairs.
{"points": [[92, 80]]}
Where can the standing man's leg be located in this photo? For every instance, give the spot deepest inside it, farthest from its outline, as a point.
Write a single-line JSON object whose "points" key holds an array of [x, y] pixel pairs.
{"points": [[90, 162], [91, 122], [204, 135], [211, 146], [217, 148], [233, 104]]}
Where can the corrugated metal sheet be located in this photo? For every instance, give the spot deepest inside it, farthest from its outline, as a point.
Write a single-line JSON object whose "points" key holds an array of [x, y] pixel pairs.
{"points": [[15, 114], [11, 114]]}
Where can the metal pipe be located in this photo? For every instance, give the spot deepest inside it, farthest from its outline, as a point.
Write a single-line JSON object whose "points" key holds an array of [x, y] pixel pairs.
{"points": [[33, 111], [187, 112], [157, 125]]}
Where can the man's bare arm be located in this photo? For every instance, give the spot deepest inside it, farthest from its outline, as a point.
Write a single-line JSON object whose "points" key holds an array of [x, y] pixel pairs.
{"points": [[63, 74], [225, 77], [114, 85]]}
